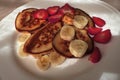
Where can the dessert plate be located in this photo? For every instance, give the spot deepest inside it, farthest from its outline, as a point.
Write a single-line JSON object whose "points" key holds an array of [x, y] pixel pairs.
{"points": [[14, 67]]}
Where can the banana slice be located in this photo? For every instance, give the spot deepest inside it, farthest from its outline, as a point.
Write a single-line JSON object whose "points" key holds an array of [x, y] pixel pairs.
{"points": [[56, 59], [21, 52], [80, 21], [78, 47], [44, 62], [67, 33], [37, 56], [23, 37]]}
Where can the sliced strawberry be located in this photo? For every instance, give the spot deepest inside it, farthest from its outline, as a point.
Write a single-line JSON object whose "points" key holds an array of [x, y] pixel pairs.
{"points": [[94, 30], [67, 9], [98, 21], [55, 18], [95, 55], [41, 14], [103, 37], [53, 10]]}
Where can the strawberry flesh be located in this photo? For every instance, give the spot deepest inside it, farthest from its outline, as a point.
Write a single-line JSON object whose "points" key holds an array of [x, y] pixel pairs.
{"points": [[98, 21], [67, 9], [95, 55], [94, 30], [41, 14], [53, 10], [103, 37], [55, 18]]}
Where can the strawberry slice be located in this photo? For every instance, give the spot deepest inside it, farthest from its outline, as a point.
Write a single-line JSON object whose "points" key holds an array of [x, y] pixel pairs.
{"points": [[98, 21], [103, 37], [67, 9], [95, 55], [40, 14], [94, 30], [55, 18], [53, 10]]}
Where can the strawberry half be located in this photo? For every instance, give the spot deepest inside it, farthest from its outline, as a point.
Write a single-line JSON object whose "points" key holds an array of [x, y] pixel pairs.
{"points": [[94, 30], [40, 14], [98, 21], [53, 10], [95, 55], [103, 37], [55, 18], [67, 9]]}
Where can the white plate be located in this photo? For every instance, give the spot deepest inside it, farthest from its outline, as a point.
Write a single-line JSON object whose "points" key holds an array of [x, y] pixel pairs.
{"points": [[16, 68]]}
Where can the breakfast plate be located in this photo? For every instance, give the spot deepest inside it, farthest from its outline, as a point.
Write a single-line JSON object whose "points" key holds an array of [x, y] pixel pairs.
{"points": [[13, 67]]}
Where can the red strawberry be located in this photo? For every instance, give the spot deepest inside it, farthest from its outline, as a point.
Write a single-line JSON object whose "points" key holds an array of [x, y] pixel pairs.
{"points": [[55, 18], [41, 14], [99, 22], [103, 37], [53, 10], [67, 9], [94, 30], [95, 55]]}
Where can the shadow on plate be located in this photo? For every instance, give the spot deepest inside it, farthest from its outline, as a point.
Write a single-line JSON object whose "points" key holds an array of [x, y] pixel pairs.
{"points": [[107, 66]]}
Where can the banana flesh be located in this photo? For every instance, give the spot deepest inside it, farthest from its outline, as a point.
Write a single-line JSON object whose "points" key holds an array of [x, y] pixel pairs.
{"points": [[56, 58], [80, 21], [23, 37], [67, 32], [21, 52], [52, 59], [78, 48], [44, 62]]}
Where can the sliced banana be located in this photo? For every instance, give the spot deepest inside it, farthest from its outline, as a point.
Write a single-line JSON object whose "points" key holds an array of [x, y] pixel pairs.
{"points": [[23, 37], [80, 21], [21, 52], [43, 63], [56, 59], [37, 56], [78, 48], [67, 32]]}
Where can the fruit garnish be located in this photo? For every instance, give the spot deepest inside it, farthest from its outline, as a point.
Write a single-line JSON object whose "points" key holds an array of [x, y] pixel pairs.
{"points": [[40, 14], [56, 59], [83, 35], [99, 21], [23, 37], [83, 13], [95, 55], [53, 10], [94, 30], [78, 47], [55, 18], [67, 9], [68, 19], [44, 62], [21, 52], [80, 21], [103, 37], [61, 46], [67, 33]]}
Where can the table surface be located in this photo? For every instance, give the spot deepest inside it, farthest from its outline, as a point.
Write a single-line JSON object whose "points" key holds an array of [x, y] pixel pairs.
{"points": [[7, 6]]}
